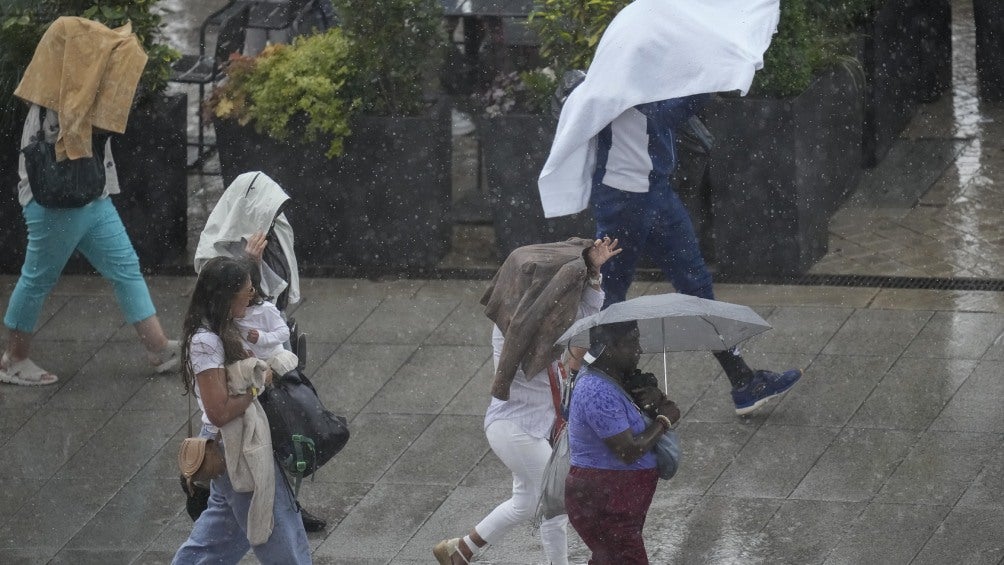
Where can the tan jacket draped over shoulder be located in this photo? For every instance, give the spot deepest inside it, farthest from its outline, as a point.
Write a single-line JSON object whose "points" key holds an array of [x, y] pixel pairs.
{"points": [[533, 299], [88, 74], [247, 446]]}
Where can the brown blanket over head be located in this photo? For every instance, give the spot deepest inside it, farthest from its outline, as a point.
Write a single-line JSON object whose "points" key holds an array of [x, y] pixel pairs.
{"points": [[533, 299]]}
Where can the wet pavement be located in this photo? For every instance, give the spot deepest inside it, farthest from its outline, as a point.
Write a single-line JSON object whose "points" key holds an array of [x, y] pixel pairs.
{"points": [[890, 450], [933, 207]]}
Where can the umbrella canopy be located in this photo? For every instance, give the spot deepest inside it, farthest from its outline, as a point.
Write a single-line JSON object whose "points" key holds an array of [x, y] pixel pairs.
{"points": [[676, 322]]}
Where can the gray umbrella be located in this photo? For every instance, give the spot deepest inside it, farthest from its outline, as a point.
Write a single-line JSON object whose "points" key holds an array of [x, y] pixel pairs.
{"points": [[675, 322]]}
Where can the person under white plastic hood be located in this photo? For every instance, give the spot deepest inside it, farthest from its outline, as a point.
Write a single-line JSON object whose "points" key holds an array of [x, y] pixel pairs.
{"points": [[253, 203]]}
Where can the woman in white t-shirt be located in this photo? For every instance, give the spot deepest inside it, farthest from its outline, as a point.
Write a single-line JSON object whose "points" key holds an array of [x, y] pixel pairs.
{"points": [[211, 341]]}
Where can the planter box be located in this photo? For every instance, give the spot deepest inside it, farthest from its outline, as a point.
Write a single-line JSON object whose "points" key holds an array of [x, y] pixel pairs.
{"points": [[384, 203], [989, 16], [151, 158], [14, 235], [514, 149], [907, 59], [779, 170]]}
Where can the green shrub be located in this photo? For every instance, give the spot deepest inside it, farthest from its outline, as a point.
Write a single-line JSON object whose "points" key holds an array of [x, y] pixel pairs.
{"points": [[570, 30], [390, 43], [795, 52], [842, 16], [373, 64], [282, 82]]}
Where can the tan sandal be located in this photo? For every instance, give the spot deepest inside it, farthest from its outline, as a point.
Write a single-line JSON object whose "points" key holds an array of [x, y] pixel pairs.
{"points": [[444, 551]]}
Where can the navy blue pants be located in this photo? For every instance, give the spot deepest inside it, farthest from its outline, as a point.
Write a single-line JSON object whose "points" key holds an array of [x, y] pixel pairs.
{"points": [[654, 223]]}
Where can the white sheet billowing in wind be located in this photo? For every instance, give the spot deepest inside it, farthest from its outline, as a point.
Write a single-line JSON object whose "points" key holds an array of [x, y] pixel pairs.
{"points": [[653, 50]]}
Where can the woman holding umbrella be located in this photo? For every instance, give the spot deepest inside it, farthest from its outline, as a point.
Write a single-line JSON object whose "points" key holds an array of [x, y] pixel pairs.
{"points": [[613, 471]]}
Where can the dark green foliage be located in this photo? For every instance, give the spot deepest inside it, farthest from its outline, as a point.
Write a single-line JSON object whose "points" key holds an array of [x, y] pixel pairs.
{"points": [[390, 46], [842, 16], [570, 30], [795, 52]]}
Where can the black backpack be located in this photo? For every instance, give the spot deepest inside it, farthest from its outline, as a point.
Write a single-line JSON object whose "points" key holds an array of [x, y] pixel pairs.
{"points": [[305, 435]]}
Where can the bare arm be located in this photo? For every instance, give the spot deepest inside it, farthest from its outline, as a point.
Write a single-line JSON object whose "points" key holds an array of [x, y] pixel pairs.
{"points": [[629, 447], [220, 407]]}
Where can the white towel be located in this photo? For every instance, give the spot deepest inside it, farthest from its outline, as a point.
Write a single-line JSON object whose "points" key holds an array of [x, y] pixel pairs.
{"points": [[247, 446], [653, 50], [282, 363]]}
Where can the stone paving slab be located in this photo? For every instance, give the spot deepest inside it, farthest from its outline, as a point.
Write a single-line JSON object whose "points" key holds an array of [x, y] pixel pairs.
{"points": [[891, 449]]}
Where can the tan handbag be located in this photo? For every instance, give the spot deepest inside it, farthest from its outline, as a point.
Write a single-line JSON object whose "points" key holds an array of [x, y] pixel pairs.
{"points": [[200, 459]]}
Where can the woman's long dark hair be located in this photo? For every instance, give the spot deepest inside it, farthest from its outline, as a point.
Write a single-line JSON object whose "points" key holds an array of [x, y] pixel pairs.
{"points": [[220, 280]]}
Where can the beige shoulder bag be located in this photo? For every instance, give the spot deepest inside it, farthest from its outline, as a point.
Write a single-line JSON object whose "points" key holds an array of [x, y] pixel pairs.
{"points": [[199, 459]]}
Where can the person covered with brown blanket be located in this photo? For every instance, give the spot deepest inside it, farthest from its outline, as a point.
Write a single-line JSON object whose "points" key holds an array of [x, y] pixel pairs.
{"points": [[533, 299], [535, 296]]}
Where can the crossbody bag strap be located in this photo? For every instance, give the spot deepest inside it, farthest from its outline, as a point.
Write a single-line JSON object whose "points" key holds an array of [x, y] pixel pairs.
{"points": [[556, 375], [189, 418]]}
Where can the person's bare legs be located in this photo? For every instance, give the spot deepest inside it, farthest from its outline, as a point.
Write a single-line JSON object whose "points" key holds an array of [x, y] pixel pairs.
{"points": [[151, 335], [18, 345], [16, 351], [161, 352]]}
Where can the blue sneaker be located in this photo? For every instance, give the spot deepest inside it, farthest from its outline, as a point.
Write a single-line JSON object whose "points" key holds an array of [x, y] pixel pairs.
{"points": [[762, 387]]}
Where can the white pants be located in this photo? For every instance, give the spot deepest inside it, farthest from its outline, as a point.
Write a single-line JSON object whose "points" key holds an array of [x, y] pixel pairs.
{"points": [[526, 457]]}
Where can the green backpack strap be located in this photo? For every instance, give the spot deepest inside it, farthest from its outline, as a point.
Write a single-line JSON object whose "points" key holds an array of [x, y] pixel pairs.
{"points": [[296, 467]]}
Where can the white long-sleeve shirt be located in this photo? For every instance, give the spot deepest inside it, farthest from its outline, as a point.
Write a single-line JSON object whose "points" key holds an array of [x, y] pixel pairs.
{"points": [[530, 404], [272, 329]]}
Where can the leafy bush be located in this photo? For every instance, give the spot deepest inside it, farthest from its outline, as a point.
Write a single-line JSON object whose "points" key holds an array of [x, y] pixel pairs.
{"points": [[23, 22], [374, 64], [282, 82], [390, 43], [842, 16], [795, 52], [811, 35], [570, 30]]}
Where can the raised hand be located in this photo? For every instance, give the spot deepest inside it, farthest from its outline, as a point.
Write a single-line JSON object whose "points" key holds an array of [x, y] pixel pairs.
{"points": [[255, 246], [601, 251]]}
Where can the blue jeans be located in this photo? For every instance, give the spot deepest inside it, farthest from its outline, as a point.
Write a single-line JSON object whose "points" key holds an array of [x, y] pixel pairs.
{"points": [[219, 535], [53, 234], [655, 223]]}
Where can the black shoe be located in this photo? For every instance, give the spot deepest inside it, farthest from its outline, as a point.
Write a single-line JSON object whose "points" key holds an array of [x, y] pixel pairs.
{"points": [[311, 523]]}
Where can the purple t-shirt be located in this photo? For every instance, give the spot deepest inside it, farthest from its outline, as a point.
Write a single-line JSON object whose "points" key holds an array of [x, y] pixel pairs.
{"points": [[600, 410]]}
